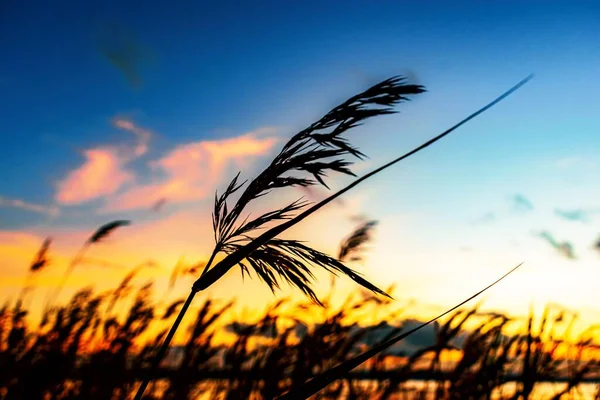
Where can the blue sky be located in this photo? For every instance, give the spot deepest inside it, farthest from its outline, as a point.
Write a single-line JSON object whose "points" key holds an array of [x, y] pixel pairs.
{"points": [[211, 73]]}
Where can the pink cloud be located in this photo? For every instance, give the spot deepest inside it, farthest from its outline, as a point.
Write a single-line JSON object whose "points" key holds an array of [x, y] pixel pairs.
{"points": [[142, 135], [100, 175], [193, 170], [103, 172], [52, 211]]}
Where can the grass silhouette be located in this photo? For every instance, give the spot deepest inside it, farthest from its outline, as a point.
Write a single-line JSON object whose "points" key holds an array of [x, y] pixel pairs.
{"points": [[100, 234], [82, 351], [308, 152], [87, 350]]}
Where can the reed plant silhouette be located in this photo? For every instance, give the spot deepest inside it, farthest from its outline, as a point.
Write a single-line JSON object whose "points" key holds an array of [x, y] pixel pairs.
{"points": [[87, 350], [83, 352], [39, 263], [305, 160], [99, 235]]}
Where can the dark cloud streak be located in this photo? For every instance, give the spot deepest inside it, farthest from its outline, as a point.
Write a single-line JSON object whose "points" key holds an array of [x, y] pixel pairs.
{"points": [[123, 51]]}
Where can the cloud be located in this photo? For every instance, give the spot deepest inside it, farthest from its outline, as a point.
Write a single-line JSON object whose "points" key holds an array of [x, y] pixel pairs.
{"points": [[564, 248], [192, 170], [51, 211], [124, 52], [103, 172], [142, 135], [188, 172], [573, 215], [521, 203]]}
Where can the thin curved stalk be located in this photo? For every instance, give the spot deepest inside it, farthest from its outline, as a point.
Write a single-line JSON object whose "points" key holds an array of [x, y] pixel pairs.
{"points": [[232, 259], [76, 260], [210, 276], [321, 381], [165, 345]]}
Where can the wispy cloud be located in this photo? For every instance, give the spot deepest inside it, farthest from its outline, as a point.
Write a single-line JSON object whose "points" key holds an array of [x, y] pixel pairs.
{"points": [[564, 248], [124, 52], [521, 203], [102, 174], [104, 171], [574, 215], [192, 170], [142, 135], [51, 211]]}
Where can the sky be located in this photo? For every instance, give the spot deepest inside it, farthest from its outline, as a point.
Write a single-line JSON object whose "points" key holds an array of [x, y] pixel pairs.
{"points": [[108, 108]]}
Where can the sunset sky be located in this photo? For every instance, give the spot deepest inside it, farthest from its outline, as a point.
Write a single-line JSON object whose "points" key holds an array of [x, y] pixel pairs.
{"points": [[108, 108]]}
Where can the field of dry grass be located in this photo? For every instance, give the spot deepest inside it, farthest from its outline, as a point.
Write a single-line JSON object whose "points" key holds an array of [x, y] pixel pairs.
{"points": [[85, 349], [116, 344]]}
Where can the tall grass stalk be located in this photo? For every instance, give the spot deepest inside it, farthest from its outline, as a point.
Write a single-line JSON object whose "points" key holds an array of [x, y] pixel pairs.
{"points": [[40, 262], [288, 259], [321, 381], [81, 352], [100, 234]]}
